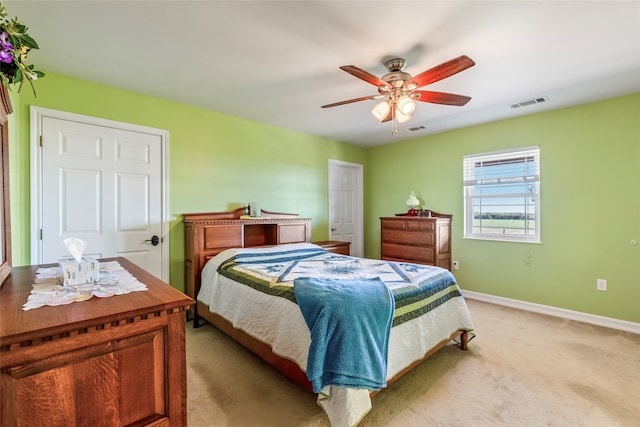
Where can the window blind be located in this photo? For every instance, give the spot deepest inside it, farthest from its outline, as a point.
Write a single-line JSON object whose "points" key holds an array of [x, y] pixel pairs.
{"points": [[502, 167]]}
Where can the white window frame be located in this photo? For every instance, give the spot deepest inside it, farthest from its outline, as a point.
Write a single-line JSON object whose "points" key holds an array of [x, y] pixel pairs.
{"points": [[474, 196]]}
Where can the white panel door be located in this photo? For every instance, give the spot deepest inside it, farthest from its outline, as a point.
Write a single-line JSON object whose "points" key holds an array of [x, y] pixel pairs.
{"points": [[345, 204], [102, 185]]}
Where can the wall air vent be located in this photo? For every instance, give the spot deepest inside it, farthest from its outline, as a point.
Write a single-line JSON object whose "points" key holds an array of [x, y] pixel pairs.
{"points": [[530, 102], [416, 128]]}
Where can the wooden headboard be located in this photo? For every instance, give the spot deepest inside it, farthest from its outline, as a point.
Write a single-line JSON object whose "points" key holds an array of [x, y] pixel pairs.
{"points": [[207, 234]]}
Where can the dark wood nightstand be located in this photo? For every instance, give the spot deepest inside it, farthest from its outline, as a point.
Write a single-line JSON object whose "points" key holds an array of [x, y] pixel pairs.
{"points": [[335, 246]]}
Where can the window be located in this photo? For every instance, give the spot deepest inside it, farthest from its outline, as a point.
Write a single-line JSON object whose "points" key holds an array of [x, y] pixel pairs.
{"points": [[502, 195]]}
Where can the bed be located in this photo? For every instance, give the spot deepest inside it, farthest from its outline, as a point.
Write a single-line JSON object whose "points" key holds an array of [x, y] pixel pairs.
{"points": [[250, 294]]}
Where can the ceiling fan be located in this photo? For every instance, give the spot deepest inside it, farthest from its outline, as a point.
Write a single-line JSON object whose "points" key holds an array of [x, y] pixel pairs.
{"points": [[400, 88]]}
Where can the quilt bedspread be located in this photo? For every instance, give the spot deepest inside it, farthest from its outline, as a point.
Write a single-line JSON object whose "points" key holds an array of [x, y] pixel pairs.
{"points": [[416, 288]]}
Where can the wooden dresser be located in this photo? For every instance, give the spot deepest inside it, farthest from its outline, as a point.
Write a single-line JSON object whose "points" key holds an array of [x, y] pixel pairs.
{"points": [[415, 239], [208, 234], [117, 361]]}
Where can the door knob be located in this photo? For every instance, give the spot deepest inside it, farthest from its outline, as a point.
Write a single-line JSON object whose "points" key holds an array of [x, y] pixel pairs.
{"points": [[155, 240]]}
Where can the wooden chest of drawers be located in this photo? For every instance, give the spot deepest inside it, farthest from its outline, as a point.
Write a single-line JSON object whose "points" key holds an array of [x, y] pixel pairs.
{"points": [[416, 239], [116, 361]]}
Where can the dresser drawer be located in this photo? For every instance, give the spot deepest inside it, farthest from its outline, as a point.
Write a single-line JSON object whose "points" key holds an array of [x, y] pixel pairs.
{"points": [[408, 237], [414, 224], [421, 225], [393, 225], [410, 253]]}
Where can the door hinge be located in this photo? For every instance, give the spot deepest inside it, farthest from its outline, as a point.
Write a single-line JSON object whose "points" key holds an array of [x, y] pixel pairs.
{"points": [[41, 234], [41, 141]]}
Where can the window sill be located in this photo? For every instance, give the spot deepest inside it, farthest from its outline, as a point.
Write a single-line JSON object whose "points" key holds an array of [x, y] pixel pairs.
{"points": [[493, 239]]}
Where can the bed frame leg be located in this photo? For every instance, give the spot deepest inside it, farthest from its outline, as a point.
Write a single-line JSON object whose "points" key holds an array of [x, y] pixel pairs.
{"points": [[196, 318], [464, 340]]}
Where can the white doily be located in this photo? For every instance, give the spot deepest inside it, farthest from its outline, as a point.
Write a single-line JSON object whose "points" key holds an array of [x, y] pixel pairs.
{"points": [[47, 290]]}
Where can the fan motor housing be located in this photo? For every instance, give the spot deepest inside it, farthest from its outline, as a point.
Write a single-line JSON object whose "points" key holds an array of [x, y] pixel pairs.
{"points": [[395, 64], [396, 78]]}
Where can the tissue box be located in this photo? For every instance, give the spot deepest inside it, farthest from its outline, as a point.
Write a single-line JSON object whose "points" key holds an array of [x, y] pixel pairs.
{"points": [[79, 273]]}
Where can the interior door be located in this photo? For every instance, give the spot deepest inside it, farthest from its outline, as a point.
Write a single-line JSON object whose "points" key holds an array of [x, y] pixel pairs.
{"points": [[345, 204], [104, 185]]}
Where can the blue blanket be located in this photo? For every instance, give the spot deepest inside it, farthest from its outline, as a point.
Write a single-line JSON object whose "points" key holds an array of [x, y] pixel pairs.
{"points": [[350, 322]]}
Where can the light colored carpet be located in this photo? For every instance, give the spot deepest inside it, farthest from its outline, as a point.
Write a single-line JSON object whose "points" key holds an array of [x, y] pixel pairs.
{"points": [[523, 369]]}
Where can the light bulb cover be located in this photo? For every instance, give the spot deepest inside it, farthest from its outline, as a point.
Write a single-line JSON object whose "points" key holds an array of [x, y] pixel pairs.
{"points": [[406, 105], [401, 117], [381, 110]]}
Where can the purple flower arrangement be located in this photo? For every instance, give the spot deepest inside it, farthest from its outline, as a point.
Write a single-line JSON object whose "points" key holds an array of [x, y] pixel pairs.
{"points": [[15, 44], [6, 54]]}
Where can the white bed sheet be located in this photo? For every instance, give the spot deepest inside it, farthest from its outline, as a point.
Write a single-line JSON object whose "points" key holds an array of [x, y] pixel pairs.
{"points": [[279, 322]]}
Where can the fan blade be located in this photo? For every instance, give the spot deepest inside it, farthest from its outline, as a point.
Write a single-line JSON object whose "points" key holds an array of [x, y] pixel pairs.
{"points": [[364, 75], [349, 101], [441, 97], [442, 71]]}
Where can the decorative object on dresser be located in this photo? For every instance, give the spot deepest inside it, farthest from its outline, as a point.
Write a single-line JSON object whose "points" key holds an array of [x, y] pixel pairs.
{"points": [[207, 234], [335, 246], [413, 204], [113, 361], [417, 239]]}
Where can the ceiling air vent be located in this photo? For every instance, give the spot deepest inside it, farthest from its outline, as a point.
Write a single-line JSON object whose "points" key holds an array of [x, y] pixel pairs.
{"points": [[530, 102], [416, 128]]}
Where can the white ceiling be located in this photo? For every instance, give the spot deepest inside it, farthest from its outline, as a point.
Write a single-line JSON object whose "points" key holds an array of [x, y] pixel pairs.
{"points": [[277, 61]]}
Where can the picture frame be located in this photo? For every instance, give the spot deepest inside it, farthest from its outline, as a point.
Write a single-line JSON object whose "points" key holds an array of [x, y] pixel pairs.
{"points": [[5, 212]]}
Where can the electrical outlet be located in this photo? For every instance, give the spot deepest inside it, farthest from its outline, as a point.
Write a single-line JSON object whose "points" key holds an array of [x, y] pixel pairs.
{"points": [[456, 265], [601, 284]]}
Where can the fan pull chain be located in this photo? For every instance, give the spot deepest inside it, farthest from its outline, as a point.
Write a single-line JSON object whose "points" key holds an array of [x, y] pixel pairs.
{"points": [[394, 120]]}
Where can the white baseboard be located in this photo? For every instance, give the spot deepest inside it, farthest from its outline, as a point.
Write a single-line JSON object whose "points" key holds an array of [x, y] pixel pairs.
{"points": [[607, 322]]}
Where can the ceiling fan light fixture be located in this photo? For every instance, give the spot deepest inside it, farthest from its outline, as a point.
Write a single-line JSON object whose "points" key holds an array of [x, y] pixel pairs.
{"points": [[399, 89], [381, 110], [401, 117], [406, 105]]}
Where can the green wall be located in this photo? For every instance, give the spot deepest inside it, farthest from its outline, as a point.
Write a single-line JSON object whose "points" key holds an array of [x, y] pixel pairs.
{"points": [[216, 162], [590, 205]]}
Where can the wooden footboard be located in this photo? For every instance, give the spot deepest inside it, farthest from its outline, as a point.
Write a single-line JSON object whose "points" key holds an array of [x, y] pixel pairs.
{"points": [[289, 368]]}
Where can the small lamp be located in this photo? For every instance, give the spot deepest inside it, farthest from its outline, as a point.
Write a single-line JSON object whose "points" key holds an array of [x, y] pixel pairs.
{"points": [[413, 203]]}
